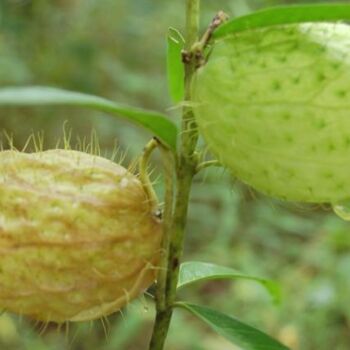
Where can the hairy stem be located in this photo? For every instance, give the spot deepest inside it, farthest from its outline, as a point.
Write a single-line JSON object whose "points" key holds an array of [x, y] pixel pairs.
{"points": [[207, 164], [168, 165], [219, 18], [161, 324], [143, 172], [185, 170]]}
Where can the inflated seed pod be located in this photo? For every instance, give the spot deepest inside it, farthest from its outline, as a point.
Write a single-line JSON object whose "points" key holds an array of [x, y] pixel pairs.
{"points": [[273, 105], [78, 235]]}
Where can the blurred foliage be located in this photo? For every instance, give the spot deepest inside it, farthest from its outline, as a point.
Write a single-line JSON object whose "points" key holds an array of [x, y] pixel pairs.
{"points": [[116, 48]]}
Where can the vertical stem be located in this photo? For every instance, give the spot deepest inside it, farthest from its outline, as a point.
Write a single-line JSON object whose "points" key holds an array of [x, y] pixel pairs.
{"points": [[192, 23], [186, 168], [168, 165], [162, 321]]}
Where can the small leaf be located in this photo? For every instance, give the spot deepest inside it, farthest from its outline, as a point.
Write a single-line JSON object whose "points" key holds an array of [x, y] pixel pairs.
{"points": [[155, 122], [175, 67], [195, 271], [238, 333], [285, 15]]}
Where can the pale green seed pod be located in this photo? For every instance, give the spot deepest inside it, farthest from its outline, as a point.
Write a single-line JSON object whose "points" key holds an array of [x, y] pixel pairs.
{"points": [[78, 235], [273, 105]]}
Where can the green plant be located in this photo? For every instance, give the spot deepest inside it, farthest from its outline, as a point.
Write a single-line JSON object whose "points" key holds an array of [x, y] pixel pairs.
{"points": [[195, 86]]}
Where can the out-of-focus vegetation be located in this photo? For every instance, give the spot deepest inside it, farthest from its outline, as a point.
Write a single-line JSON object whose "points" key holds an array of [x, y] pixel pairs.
{"points": [[116, 48]]}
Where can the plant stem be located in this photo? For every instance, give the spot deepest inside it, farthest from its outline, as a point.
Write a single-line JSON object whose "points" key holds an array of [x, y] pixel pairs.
{"points": [[219, 18], [207, 164], [192, 23], [162, 321], [144, 177], [185, 170], [168, 165]]}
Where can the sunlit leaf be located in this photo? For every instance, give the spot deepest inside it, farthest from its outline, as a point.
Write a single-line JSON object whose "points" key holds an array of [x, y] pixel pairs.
{"points": [[237, 332], [195, 271], [285, 15], [175, 67], [155, 122]]}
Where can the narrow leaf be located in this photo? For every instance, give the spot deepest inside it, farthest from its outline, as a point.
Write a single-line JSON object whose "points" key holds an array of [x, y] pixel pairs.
{"points": [[285, 15], [237, 332], [155, 122], [175, 67], [195, 271]]}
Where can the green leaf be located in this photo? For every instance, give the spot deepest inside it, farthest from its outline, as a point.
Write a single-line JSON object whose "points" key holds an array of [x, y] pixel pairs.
{"points": [[175, 67], [285, 15], [195, 271], [237, 332], [155, 122]]}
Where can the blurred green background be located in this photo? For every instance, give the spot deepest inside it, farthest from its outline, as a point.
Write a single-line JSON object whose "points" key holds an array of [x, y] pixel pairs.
{"points": [[116, 48]]}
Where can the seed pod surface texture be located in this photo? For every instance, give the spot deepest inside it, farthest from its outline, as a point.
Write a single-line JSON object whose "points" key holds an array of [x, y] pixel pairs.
{"points": [[273, 105], [78, 238]]}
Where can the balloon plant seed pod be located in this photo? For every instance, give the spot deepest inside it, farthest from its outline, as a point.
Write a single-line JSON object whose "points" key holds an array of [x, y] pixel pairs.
{"points": [[78, 235], [273, 105]]}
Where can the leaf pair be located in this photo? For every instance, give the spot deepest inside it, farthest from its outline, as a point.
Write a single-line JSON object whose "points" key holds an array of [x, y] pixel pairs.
{"points": [[237, 332]]}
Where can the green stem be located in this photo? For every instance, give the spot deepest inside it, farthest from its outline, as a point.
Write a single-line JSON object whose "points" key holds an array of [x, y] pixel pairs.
{"points": [[144, 175], [185, 170], [207, 164], [168, 168], [219, 18], [192, 23], [161, 323], [168, 165]]}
